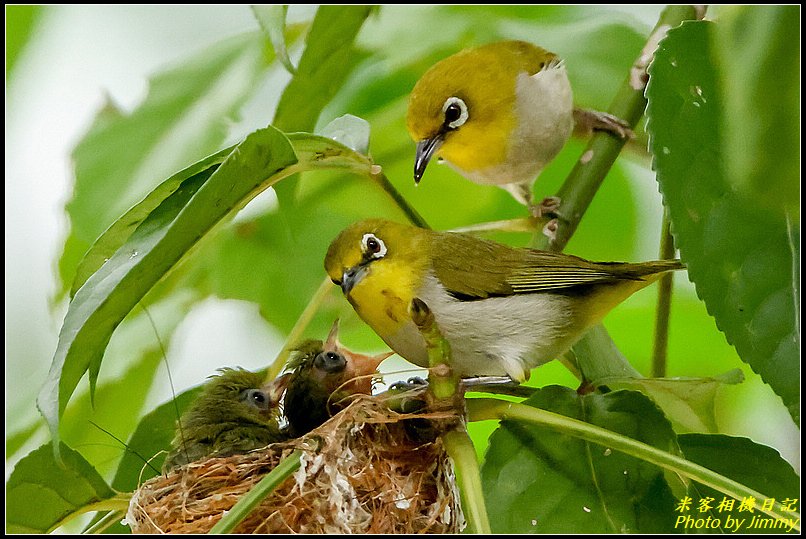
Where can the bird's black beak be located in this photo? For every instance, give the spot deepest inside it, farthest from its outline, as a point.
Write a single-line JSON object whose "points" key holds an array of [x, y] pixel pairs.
{"points": [[426, 149], [351, 277]]}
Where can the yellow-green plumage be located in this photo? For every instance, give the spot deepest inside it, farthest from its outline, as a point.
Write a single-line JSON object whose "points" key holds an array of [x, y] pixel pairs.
{"points": [[236, 412], [503, 310], [519, 109]]}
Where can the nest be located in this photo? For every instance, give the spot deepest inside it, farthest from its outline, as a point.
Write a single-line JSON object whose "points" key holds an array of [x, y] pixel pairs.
{"points": [[361, 472]]}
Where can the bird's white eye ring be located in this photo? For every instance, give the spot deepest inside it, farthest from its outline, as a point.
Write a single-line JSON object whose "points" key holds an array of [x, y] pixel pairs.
{"points": [[373, 245], [455, 112]]}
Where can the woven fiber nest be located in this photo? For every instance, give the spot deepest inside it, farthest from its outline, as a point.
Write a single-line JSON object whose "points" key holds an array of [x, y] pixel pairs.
{"points": [[361, 472]]}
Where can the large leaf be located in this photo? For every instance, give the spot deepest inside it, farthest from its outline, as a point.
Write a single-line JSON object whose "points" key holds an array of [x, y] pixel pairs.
{"points": [[743, 260], [41, 492], [117, 234], [154, 248], [328, 58], [164, 238], [185, 116], [760, 67], [756, 466], [542, 481]]}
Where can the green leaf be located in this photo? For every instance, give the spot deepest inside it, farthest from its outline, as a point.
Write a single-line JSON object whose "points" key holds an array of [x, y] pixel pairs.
{"points": [[41, 493], [757, 466], [272, 21], [598, 357], [754, 48], [687, 402], [154, 248], [185, 116], [328, 59], [754, 465], [117, 234], [546, 482], [742, 260]]}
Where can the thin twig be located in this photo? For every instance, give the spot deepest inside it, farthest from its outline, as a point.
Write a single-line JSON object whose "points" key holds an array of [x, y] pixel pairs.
{"points": [[258, 493], [662, 314], [596, 161], [380, 178]]}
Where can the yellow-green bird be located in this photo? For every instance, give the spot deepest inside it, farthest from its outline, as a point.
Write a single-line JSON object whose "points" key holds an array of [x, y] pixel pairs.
{"points": [[236, 412], [498, 114], [503, 310], [321, 376]]}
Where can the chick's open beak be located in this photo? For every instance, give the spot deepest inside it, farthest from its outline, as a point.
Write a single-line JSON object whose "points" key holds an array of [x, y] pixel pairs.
{"points": [[360, 367], [275, 389], [426, 149]]}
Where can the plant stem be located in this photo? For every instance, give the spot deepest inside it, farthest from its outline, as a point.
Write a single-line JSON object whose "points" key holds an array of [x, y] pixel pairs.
{"points": [[105, 522], [442, 383], [590, 170], [486, 408], [579, 188], [659, 347], [263, 488], [380, 178], [299, 328], [119, 503], [460, 449]]}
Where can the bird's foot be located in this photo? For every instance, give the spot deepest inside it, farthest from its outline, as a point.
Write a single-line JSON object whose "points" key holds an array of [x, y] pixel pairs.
{"points": [[550, 230], [586, 121], [548, 207], [503, 385]]}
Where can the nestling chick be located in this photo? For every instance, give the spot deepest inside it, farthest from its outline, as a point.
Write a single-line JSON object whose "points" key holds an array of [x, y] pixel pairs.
{"points": [[322, 375], [235, 413]]}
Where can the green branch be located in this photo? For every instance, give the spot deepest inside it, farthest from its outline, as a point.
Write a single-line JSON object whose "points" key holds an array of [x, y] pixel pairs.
{"points": [[258, 493], [377, 175], [443, 386], [584, 181], [664, 302], [481, 409], [460, 448], [596, 161]]}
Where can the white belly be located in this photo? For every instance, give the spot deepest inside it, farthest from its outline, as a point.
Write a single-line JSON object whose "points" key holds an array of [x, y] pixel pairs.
{"points": [[545, 108], [494, 336]]}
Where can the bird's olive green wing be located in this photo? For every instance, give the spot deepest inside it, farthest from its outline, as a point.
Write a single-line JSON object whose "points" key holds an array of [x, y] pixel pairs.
{"points": [[525, 56], [470, 268]]}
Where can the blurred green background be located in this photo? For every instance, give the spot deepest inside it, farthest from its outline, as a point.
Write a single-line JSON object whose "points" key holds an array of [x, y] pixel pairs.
{"points": [[235, 299]]}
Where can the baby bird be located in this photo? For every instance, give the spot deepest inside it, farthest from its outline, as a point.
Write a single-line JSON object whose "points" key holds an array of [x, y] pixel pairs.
{"points": [[322, 375], [235, 413]]}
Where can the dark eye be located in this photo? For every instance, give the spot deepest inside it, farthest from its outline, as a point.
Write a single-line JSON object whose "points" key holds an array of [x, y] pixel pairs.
{"points": [[453, 113], [373, 246], [256, 398], [330, 362]]}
